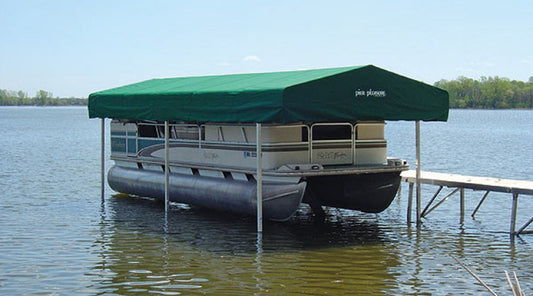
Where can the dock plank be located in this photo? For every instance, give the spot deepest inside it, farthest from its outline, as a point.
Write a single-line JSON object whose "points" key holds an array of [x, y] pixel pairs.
{"points": [[471, 182]]}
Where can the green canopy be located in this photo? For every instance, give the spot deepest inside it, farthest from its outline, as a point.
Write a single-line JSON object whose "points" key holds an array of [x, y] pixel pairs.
{"points": [[322, 95]]}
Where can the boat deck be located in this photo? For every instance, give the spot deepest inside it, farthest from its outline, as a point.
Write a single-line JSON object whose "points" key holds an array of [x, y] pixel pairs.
{"points": [[461, 182]]}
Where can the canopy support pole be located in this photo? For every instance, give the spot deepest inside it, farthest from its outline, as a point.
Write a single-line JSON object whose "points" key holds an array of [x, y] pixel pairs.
{"points": [[418, 189], [167, 170], [102, 156], [259, 179]]}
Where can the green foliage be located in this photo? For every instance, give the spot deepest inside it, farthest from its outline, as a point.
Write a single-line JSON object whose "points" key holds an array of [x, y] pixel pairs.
{"points": [[488, 93], [42, 98]]}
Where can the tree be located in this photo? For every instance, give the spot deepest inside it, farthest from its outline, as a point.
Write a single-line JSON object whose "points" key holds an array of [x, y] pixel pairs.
{"points": [[488, 92], [42, 98]]}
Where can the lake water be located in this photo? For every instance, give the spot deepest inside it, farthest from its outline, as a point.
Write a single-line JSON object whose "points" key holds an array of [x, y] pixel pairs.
{"points": [[58, 238]]}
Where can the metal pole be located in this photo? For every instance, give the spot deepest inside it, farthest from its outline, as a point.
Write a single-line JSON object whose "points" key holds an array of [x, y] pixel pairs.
{"points": [[462, 205], [524, 227], [431, 202], [166, 166], [102, 156], [479, 204], [310, 143], [410, 203], [513, 213], [259, 179], [425, 213], [418, 197]]}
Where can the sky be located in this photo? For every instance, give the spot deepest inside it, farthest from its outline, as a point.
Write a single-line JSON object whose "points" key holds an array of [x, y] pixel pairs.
{"points": [[74, 48]]}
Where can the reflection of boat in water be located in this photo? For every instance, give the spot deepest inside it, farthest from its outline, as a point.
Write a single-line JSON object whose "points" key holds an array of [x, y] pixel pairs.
{"points": [[214, 231], [322, 137], [200, 251]]}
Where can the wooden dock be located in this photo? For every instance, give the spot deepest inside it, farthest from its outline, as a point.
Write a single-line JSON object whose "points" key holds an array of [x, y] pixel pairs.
{"points": [[462, 182]]}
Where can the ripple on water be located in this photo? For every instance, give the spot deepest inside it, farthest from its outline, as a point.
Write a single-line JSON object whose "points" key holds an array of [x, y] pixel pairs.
{"points": [[57, 238]]}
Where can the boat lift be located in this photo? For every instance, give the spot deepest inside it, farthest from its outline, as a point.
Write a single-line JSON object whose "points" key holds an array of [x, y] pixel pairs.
{"points": [[320, 95], [413, 177], [259, 170]]}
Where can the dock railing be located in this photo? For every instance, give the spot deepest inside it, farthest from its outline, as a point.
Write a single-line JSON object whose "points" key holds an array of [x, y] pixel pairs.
{"points": [[462, 182]]}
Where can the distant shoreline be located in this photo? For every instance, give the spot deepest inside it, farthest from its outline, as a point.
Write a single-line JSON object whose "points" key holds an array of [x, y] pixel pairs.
{"points": [[35, 102], [42, 98]]}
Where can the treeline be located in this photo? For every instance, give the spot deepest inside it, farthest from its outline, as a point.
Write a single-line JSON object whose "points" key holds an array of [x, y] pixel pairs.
{"points": [[489, 93], [41, 98], [486, 93]]}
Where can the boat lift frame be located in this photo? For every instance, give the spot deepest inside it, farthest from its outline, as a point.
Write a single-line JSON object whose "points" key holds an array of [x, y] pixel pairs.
{"points": [[459, 182]]}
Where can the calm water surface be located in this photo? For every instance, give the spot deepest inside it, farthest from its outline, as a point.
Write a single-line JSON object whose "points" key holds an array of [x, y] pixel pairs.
{"points": [[58, 238]]}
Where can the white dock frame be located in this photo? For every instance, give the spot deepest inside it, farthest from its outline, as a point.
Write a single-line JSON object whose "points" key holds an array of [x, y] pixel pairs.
{"points": [[462, 182]]}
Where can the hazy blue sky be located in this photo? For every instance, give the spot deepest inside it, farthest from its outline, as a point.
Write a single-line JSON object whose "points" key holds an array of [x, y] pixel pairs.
{"points": [[73, 48]]}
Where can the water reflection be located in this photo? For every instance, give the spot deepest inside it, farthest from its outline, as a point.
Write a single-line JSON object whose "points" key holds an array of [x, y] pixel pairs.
{"points": [[195, 251]]}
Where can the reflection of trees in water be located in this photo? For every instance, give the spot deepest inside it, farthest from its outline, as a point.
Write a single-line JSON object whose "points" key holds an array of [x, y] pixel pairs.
{"points": [[199, 251]]}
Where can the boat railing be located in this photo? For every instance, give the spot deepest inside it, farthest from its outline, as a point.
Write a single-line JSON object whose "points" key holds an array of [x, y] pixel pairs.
{"points": [[318, 136], [332, 137]]}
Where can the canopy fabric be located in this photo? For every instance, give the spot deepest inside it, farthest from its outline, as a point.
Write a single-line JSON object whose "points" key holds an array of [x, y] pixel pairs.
{"points": [[321, 95]]}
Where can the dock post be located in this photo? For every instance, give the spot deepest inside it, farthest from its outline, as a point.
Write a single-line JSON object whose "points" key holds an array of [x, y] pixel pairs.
{"points": [[410, 203], [418, 189], [102, 156], [513, 213], [167, 169], [462, 205], [259, 179]]}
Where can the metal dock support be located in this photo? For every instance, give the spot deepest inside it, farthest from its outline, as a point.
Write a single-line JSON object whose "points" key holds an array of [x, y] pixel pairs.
{"points": [[462, 182]]}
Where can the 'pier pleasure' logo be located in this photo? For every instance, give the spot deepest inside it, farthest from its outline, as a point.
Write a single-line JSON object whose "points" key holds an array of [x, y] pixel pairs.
{"points": [[370, 93]]}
